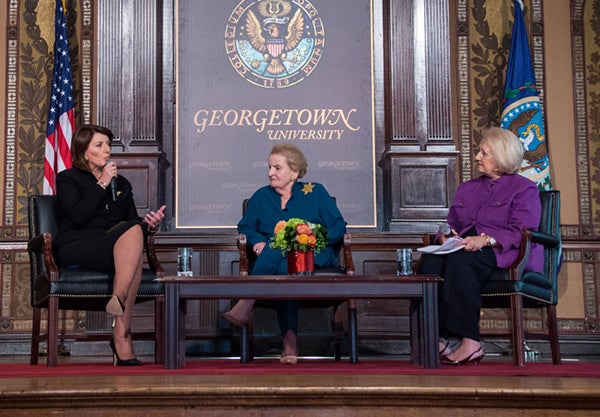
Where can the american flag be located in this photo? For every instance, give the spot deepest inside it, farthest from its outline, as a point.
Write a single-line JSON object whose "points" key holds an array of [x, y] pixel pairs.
{"points": [[61, 122]]}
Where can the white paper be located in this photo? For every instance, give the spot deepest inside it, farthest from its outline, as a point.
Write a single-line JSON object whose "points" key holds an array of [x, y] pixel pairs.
{"points": [[453, 244]]}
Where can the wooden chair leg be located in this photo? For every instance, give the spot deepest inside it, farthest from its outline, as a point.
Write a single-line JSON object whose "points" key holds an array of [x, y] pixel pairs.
{"points": [[35, 336], [553, 333], [518, 338], [159, 328], [337, 329], [416, 333], [52, 359], [337, 349], [247, 342], [244, 345], [352, 328]]}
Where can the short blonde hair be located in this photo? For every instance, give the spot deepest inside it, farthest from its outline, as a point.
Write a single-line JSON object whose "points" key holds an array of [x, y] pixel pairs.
{"points": [[293, 156], [506, 149]]}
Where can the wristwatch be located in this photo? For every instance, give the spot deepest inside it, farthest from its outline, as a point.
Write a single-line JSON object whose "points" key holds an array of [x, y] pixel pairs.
{"points": [[489, 240]]}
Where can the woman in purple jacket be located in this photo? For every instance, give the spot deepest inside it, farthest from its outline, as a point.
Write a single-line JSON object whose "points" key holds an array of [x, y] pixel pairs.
{"points": [[489, 212]]}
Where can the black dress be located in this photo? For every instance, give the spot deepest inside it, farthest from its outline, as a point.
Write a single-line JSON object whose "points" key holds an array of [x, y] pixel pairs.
{"points": [[90, 222]]}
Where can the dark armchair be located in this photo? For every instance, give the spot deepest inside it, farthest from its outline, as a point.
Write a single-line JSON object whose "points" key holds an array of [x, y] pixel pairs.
{"points": [[344, 251], [55, 289], [517, 288]]}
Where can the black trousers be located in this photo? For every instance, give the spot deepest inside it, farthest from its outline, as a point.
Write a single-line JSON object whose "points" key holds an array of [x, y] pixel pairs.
{"points": [[464, 274]]}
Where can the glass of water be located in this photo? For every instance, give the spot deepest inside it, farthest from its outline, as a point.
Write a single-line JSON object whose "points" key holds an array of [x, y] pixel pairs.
{"points": [[404, 259], [184, 262]]}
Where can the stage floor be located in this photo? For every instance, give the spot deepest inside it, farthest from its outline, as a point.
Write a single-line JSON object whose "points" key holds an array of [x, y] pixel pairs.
{"points": [[294, 395]]}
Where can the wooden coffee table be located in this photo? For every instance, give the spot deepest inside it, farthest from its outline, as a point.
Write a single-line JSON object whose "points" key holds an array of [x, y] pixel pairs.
{"points": [[420, 289]]}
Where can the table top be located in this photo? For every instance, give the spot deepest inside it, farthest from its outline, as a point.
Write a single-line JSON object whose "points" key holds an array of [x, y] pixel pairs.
{"points": [[300, 287], [414, 279]]}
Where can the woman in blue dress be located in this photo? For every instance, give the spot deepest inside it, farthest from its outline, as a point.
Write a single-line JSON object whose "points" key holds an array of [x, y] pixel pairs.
{"points": [[285, 197]]}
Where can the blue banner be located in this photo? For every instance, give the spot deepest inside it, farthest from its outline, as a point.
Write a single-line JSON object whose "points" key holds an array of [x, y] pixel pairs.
{"points": [[522, 110]]}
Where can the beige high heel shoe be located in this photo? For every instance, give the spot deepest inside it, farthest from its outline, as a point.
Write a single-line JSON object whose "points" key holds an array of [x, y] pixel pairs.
{"points": [[115, 306], [240, 313], [289, 345]]}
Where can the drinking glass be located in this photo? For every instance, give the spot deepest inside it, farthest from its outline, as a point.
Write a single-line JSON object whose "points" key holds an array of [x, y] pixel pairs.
{"points": [[184, 262], [404, 259]]}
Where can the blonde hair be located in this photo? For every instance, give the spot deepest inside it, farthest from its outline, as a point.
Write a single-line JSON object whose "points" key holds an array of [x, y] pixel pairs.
{"points": [[505, 148], [293, 156]]}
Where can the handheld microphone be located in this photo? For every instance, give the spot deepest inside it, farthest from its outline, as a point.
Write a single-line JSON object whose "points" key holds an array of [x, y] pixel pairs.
{"points": [[445, 229], [113, 188]]}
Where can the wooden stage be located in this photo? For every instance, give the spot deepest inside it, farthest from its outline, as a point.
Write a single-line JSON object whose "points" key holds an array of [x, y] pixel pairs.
{"points": [[299, 396]]}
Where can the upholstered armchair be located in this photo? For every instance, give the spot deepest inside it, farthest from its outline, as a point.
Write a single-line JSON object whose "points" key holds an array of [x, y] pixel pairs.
{"points": [[56, 289], [346, 266], [517, 288]]}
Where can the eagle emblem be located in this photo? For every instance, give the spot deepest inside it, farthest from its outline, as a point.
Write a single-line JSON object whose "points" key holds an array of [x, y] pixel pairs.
{"points": [[524, 118], [276, 43], [276, 34]]}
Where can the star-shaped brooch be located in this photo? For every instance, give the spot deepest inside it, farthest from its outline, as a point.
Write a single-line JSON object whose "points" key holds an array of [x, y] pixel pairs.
{"points": [[308, 188]]}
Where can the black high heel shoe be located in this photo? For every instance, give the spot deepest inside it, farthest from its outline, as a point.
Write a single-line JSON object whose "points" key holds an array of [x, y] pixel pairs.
{"points": [[122, 362], [473, 359]]}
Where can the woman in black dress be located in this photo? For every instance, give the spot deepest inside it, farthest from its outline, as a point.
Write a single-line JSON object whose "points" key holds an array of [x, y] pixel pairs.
{"points": [[100, 230]]}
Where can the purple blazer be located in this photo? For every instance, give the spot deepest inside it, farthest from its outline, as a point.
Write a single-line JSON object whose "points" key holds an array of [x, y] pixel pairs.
{"points": [[501, 208]]}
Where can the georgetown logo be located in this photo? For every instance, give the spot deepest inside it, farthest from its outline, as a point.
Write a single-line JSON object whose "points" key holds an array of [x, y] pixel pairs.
{"points": [[274, 43]]}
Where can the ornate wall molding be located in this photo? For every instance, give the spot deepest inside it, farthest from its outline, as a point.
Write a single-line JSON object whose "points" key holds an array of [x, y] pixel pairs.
{"points": [[585, 42], [87, 59], [10, 148], [464, 91]]}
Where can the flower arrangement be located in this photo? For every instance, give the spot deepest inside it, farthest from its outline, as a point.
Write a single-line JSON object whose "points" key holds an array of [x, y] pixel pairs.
{"points": [[300, 235]]}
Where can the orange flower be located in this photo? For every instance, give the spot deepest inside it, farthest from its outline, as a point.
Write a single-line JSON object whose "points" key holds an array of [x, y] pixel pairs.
{"points": [[279, 226], [302, 239], [298, 234]]}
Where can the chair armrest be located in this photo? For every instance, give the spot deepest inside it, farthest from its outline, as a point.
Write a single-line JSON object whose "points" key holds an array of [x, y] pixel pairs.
{"points": [[428, 239], [42, 244], [153, 261], [243, 250], [515, 271], [348, 262], [529, 236], [547, 240], [36, 244]]}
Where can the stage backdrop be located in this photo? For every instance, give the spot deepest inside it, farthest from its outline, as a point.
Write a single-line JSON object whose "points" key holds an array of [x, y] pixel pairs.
{"points": [[252, 74]]}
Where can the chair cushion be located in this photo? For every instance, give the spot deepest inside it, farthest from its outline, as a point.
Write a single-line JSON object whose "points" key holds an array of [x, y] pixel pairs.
{"points": [[82, 283], [532, 285]]}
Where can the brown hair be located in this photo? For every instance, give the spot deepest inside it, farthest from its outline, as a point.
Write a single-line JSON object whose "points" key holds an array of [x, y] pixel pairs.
{"points": [[293, 156], [81, 140]]}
